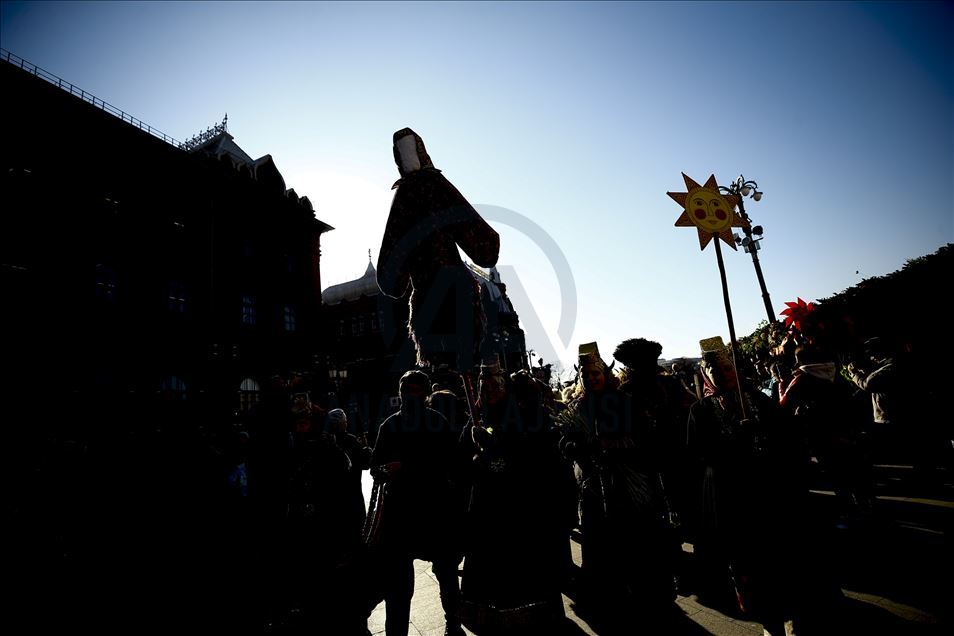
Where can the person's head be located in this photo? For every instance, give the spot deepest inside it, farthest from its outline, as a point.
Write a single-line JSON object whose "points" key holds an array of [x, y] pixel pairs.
{"points": [[414, 387], [447, 404], [594, 374], [337, 421], [275, 385], [492, 384], [806, 354], [526, 389], [297, 381], [719, 370], [877, 349], [639, 355], [302, 412]]}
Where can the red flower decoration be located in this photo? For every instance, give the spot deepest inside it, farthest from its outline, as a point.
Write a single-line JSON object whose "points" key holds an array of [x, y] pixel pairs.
{"points": [[797, 313]]}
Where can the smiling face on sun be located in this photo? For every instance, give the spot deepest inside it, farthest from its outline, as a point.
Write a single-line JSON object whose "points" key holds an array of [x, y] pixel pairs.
{"points": [[708, 211]]}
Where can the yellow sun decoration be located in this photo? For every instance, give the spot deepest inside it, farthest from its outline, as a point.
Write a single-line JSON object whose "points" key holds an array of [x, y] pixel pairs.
{"points": [[704, 208]]}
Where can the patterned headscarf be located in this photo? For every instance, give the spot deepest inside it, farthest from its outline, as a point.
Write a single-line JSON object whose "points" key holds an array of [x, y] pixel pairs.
{"points": [[421, 158]]}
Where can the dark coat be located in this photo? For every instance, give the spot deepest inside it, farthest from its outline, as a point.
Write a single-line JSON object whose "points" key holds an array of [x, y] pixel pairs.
{"points": [[418, 513]]}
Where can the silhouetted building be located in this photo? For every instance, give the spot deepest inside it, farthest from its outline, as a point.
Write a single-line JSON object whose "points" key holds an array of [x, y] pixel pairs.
{"points": [[370, 348], [136, 268], [504, 337]]}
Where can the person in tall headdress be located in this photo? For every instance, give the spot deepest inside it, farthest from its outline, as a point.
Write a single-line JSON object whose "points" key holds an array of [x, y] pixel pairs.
{"points": [[756, 541], [663, 403], [429, 219], [619, 497]]}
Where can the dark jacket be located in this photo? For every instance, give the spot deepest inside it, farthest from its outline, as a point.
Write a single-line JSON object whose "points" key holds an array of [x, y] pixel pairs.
{"points": [[418, 504]]}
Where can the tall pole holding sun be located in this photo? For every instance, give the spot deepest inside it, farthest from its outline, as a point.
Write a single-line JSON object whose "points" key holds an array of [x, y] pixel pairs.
{"points": [[713, 215]]}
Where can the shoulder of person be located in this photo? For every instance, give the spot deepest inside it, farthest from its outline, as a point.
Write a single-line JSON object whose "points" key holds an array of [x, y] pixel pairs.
{"points": [[390, 422], [434, 413], [707, 403]]}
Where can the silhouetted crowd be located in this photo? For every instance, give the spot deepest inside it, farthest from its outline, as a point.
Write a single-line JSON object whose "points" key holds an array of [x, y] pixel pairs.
{"points": [[690, 480]]}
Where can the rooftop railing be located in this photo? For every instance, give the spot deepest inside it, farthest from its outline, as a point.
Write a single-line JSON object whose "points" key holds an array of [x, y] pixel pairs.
{"points": [[76, 91]]}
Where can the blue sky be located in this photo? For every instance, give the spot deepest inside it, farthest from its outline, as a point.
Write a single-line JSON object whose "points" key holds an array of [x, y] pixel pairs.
{"points": [[579, 117]]}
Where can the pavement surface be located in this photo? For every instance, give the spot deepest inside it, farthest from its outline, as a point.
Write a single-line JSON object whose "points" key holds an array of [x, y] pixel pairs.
{"points": [[896, 578]]}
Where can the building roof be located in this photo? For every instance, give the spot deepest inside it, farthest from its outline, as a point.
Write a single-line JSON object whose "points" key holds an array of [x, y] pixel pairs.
{"points": [[224, 144], [367, 285], [490, 281], [218, 143]]}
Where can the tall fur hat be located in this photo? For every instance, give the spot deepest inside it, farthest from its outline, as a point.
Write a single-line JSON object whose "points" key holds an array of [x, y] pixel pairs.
{"points": [[638, 353]]}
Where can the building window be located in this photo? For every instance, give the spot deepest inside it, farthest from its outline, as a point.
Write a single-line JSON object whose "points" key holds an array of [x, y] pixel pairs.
{"points": [[354, 326], [289, 318], [177, 297], [341, 328], [289, 263], [173, 386], [249, 394], [375, 323], [105, 282], [248, 310]]}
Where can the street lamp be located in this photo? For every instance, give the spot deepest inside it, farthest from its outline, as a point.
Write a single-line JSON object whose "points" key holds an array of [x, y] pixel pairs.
{"points": [[742, 188]]}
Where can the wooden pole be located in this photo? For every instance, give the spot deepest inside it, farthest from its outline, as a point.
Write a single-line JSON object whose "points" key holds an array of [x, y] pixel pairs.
{"points": [[728, 313]]}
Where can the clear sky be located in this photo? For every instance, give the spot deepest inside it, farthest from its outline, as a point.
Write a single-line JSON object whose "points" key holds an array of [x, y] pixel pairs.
{"points": [[579, 117]]}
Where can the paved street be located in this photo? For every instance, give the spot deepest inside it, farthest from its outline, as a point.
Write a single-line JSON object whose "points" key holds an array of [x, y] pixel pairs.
{"points": [[878, 615], [898, 591], [427, 618]]}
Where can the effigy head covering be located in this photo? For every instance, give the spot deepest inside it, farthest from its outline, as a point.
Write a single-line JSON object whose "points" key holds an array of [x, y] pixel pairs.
{"points": [[410, 155]]}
